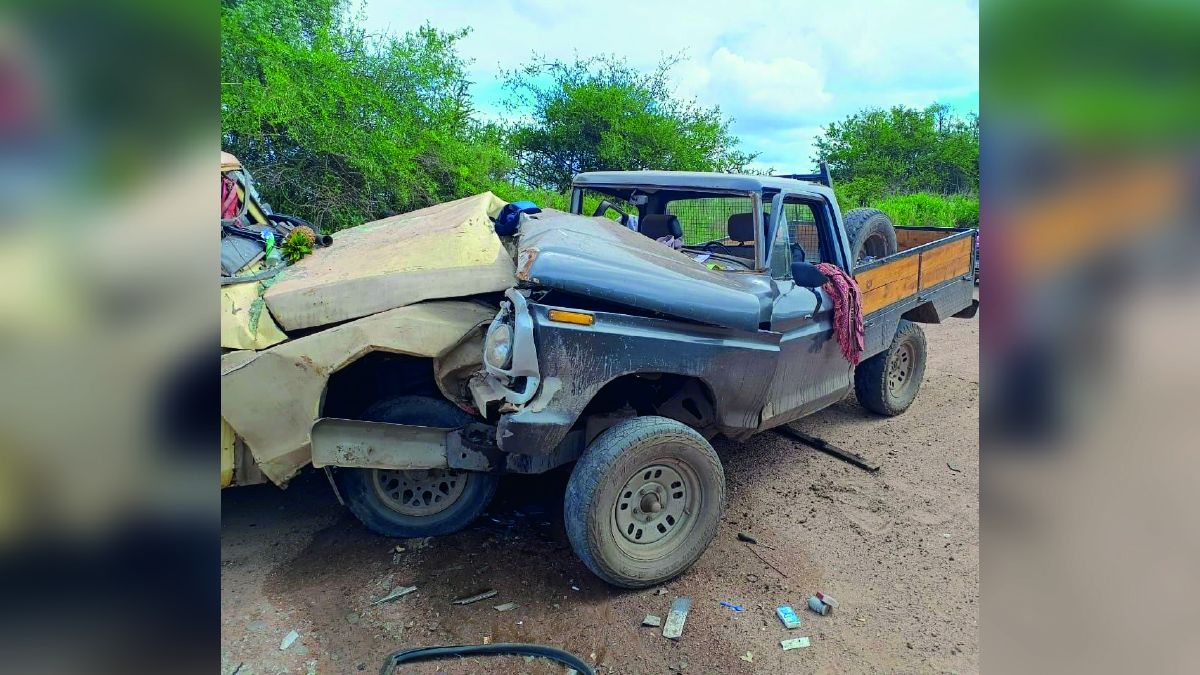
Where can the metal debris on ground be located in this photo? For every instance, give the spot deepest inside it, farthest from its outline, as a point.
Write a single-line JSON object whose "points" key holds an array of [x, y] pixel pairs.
{"points": [[398, 592], [288, 640], [730, 605], [952, 467], [827, 447], [788, 616], [794, 643], [505, 607], [652, 620], [742, 536], [748, 657], [827, 599], [476, 598], [815, 604], [768, 562], [673, 629]]}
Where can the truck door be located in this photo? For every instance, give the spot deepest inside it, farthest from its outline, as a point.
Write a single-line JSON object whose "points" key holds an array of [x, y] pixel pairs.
{"points": [[811, 372]]}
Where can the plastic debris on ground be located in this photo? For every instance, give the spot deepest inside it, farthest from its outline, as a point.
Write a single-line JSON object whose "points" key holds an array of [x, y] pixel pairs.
{"points": [[476, 598], [730, 605], [673, 628], [505, 607], [660, 591], [827, 599], [652, 620], [815, 604], [748, 657], [788, 616], [794, 643], [398, 592], [288, 640]]}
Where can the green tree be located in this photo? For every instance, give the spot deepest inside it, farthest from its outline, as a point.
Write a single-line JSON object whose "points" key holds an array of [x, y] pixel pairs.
{"points": [[901, 150], [601, 114], [341, 127]]}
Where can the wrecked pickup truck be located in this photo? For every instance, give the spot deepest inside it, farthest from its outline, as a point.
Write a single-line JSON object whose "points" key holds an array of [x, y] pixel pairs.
{"points": [[421, 357]]}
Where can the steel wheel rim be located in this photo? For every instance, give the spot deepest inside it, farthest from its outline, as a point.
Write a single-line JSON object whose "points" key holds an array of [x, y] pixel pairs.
{"points": [[900, 369], [656, 509], [418, 493]]}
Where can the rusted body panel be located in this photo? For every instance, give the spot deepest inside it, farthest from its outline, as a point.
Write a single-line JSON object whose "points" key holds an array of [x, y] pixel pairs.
{"points": [[271, 398], [734, 366]]}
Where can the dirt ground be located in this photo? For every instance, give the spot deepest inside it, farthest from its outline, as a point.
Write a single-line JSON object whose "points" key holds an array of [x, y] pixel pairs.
{"points": [[899, 549]]}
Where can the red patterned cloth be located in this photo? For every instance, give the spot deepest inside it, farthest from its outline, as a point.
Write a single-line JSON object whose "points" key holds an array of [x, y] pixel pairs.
{"points": [[847, 311]]}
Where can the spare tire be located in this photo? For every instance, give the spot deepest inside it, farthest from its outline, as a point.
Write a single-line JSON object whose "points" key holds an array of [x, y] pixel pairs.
{"points": [[871, 234]]}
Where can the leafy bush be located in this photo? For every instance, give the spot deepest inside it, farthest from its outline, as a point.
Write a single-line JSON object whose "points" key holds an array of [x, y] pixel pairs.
{"points": [[930, 210]]}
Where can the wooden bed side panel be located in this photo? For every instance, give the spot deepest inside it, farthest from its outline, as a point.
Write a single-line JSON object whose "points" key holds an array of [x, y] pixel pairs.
{"points": [[906, 238], [888, 283], [945, 262]]}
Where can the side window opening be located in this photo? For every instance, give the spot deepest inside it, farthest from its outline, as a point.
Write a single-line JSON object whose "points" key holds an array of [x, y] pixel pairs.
{"points": [[799, 236]]}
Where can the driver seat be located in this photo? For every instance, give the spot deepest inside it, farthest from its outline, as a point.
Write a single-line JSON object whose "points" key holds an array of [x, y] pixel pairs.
{"points": [[660, 225]]}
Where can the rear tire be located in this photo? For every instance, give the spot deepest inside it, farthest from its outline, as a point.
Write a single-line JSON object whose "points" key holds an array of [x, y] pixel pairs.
{"points": [[871, 234], [644, 501], [888, 382], [416, 503]]}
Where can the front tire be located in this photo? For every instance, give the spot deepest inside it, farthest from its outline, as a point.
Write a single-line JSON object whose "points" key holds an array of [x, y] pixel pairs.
{"points": [[416, 503], [888, 382], [644, 501]]}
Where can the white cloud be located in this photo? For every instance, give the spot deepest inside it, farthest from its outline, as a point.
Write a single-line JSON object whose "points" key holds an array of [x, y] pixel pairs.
{"points": [[782, 70]]}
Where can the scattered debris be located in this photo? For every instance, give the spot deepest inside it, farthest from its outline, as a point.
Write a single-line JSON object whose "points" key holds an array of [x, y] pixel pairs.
{"points": [[768, 562], [575, 588], [660, 591], [400, 549], [827, 599], [815, 604], [946, 535], [794, 643], [398, 592], [675, 619], [730, 605], [238, 669], [487, 639], [827, 447], [476, 598], [352, 618], [746, 537], [788, 616], [288, 640], [752, 578], [748, 657], [652, 620], [505, 607], [952, 467]]}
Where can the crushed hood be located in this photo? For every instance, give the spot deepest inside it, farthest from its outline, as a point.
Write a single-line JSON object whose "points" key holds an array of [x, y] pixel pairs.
{"points": [[449, 250], [599, 258]]}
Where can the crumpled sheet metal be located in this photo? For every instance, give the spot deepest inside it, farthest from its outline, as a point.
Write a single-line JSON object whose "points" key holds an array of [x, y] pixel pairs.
{"points": [[271, 398], [242, 325], [449, 250]]}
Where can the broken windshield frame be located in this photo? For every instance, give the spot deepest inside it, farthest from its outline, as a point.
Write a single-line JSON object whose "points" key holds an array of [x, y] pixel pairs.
{"points": [[655, 199]]}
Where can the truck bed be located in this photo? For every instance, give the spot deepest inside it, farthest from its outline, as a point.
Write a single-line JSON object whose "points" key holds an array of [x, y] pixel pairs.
{"points": [[929, 279]]}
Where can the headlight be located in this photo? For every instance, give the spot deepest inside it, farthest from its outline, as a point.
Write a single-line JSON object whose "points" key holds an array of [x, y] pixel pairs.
{"points": [[497, 349]]}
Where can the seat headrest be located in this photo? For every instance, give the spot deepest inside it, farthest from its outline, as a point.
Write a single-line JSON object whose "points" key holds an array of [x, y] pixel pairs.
{"points": [[741, 227], [660, 225]]}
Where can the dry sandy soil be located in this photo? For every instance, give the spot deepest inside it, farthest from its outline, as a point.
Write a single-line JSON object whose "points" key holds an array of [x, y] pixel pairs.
{"points": [[899, 549]]}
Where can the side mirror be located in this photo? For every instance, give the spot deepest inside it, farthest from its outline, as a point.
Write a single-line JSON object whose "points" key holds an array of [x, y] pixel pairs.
{"points": [[807, 275]]}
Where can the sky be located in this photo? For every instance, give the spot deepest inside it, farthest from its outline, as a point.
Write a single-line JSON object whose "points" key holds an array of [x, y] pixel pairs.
{"points": [[781, 70]]}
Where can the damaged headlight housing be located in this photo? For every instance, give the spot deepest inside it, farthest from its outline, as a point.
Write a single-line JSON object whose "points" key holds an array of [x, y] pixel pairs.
{"points": [[497, 349]]}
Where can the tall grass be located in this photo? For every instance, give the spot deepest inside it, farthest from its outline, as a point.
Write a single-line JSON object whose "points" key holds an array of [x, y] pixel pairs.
{"points": [[930, 210]]}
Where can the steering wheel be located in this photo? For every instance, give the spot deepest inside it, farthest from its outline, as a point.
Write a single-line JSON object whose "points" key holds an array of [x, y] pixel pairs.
{"points": [[606, 205], [714, 242]]}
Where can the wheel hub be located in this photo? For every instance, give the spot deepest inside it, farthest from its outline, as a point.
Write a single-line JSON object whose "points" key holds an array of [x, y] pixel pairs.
{"points": [[419, 493], [651, 505], [900, 367]]}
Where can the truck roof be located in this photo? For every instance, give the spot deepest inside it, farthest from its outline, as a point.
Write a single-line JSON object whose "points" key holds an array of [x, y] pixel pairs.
{"points": [[697, 180]]}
